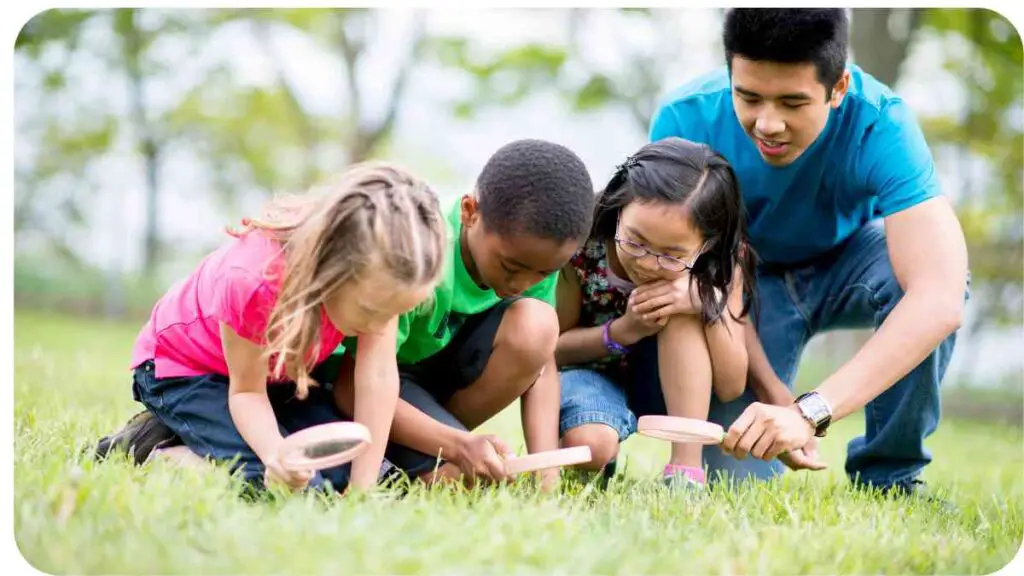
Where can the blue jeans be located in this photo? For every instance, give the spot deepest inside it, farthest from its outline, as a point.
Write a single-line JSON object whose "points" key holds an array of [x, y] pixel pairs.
{"points": [[590, 397], [853, 288], [612, 398], [196, 409]]}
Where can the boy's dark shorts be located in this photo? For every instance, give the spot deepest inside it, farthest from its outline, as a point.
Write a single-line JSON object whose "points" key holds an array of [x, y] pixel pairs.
{"points": [[430, 384]]}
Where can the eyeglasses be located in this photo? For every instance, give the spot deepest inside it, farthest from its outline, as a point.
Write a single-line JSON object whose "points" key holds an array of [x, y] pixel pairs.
{"points": [[666, 262]]}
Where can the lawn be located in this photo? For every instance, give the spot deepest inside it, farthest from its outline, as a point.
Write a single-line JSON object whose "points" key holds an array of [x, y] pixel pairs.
{"points": [[75, 516]]}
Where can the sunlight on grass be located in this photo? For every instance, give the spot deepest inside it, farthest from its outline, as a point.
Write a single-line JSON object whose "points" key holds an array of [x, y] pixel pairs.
{"points": [[73, 515]]}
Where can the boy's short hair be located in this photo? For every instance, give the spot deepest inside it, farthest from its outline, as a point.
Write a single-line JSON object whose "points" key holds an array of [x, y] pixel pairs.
{"points": [[790, 36], [537, 188]]}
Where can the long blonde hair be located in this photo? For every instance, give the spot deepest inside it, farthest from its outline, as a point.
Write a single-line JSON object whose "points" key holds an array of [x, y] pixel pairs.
{"points": [[374, 214]]}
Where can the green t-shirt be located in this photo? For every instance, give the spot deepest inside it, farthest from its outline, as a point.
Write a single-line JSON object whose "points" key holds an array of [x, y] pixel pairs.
{"points": [[427, 329]]}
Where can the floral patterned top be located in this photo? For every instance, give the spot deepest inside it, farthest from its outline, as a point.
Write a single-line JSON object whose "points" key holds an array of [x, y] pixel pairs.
{"points": [[604, 297]]}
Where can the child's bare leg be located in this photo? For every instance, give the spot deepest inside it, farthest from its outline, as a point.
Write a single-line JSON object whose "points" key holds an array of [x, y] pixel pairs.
{"points": [[179, 455], [684, 365], [602, 440], [524, 343]]}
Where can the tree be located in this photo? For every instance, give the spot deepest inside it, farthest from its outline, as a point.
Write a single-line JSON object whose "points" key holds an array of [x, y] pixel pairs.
{"points": [[265, 136], [880, 41], [69, 145], [134, 42], [565, 66], [258, 137], [881, 37], [988, 130], [48, 44]]}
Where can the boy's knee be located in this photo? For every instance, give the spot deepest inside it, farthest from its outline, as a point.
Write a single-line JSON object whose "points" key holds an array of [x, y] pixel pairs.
{"points": [[602, 440], [529, 330]]}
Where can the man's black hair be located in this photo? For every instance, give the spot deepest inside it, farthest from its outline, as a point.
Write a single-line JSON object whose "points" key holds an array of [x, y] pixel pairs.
{"points": [[536, 188], [790, 36]]}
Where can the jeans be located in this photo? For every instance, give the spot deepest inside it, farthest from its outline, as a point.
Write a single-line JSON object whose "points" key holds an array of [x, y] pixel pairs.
{"points": [[853, 288], [196, 409], [590, 397]]}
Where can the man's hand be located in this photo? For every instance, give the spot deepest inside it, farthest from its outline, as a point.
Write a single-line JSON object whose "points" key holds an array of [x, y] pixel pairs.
{"points": [[482, 456], [805, 458], [765, 431]]}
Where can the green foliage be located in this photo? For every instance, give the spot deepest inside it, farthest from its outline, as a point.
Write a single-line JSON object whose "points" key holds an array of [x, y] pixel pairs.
{"points": [[51, 26], [990, 128], [251, 136], [992, 124], [594, 94], [504, 78]]}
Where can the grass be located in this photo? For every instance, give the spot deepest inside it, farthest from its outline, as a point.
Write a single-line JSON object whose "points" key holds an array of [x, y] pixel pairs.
{"points": [[75, 516]]}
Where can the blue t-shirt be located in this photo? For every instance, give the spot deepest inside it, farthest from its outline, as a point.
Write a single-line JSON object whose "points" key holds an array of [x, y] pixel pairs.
{"points": [[870, 161]]}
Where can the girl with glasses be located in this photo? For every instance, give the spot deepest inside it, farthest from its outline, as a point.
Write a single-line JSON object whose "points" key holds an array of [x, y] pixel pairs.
{"points": [[651, 308]]}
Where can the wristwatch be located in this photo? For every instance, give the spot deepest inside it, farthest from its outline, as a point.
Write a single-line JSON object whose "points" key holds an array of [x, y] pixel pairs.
{"points": [[815, 409]]}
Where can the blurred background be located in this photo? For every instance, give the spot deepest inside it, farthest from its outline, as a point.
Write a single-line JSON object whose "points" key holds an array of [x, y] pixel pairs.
{"points": [[141, 133]]}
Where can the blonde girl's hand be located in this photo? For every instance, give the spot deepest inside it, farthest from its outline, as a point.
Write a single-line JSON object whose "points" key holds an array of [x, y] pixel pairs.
{"points": [[293, 480]]}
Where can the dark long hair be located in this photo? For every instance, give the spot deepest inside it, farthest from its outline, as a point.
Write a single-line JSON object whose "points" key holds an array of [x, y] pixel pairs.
{"points": [[692, 175]]}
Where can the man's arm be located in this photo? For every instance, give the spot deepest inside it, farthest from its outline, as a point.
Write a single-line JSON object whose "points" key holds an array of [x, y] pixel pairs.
{"points": [[761, 377], [929, 258]]}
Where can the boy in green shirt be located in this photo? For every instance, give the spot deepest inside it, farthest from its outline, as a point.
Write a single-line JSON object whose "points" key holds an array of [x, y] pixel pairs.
{"points": [[488, 335]]}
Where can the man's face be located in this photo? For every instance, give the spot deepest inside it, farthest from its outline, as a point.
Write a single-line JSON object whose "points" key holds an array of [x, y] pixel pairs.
{"points": [[782, 107], [509, 265]]}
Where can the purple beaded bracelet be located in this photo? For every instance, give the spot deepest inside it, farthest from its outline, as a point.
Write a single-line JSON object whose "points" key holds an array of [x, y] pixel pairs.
{"points": [[611, 345]]}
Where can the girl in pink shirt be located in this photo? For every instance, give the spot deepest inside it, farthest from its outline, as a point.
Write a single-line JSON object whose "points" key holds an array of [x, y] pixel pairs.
{"points": [[239, 354]]}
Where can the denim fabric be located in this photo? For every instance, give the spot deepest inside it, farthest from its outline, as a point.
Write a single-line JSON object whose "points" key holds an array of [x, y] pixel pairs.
{"points": [[853, 288], [196, 409], [589, 397]]}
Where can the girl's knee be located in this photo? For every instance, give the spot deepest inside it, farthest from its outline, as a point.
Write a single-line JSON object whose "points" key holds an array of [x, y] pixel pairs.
{"points": [[683, 326], [602, 440], [684, 335]]}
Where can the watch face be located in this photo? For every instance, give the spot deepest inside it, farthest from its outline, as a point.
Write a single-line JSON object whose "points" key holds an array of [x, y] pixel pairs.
{"points": [[815, 408]]}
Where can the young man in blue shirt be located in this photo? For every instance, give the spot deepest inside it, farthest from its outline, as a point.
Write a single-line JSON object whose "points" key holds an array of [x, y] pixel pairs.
{"points": [[852, 230]]}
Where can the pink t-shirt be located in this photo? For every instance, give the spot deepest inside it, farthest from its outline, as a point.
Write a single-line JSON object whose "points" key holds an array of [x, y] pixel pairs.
{"points": [[237, 284]]}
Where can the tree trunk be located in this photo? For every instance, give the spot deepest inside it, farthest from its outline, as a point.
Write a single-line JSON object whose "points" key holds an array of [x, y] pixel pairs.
{"points": [[880, 38], [132, 49]]}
